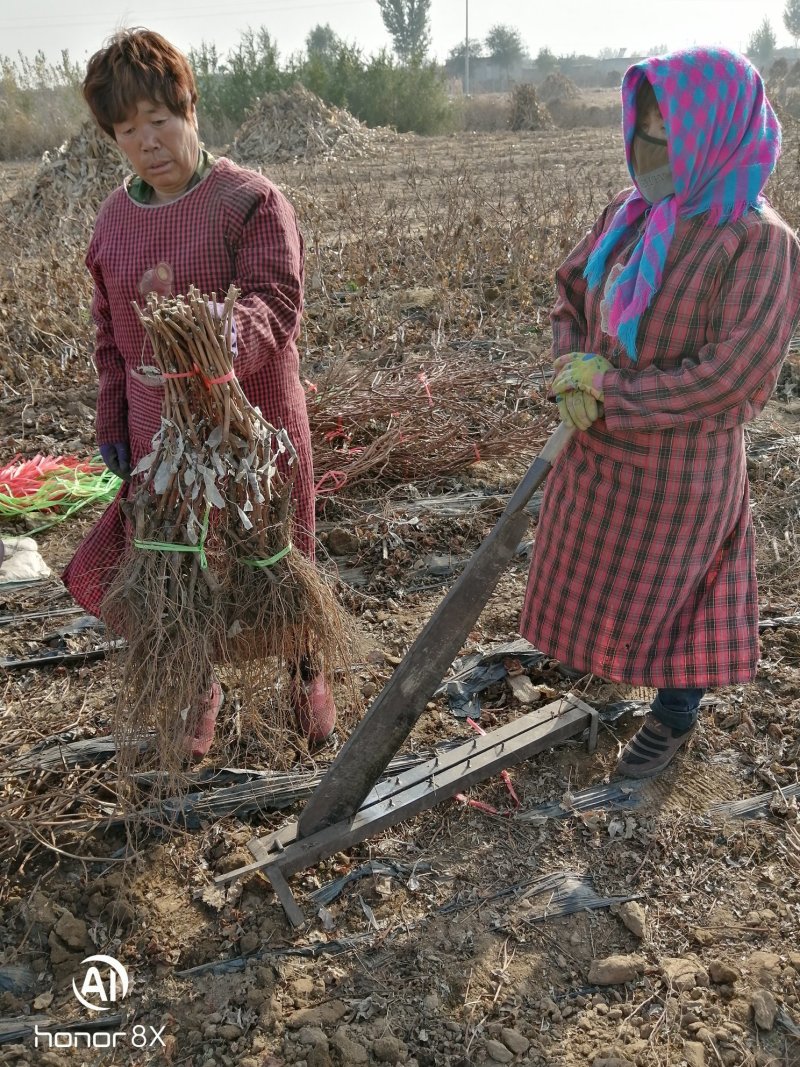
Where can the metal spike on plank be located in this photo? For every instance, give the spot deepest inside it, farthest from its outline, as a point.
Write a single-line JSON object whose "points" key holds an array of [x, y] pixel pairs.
{"points": [[393, 800]]}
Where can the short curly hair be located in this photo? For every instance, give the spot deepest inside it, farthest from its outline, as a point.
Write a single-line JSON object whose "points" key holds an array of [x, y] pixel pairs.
{"points": [[134, 65]]}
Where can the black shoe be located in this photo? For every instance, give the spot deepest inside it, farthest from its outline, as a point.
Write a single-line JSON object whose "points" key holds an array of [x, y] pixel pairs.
{"points": [[651, 749]]}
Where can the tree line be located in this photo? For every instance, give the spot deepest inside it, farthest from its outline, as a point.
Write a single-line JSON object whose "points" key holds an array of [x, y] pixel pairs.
{"points": [[40, 102], [761, 46], [408, 24]]}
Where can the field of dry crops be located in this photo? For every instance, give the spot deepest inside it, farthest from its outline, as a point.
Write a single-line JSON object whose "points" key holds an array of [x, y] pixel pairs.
{"points": [[654, 928]]}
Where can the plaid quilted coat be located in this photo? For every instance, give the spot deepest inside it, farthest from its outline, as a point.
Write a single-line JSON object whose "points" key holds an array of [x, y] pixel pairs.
{"points": [[643, 566], [233, 227]]}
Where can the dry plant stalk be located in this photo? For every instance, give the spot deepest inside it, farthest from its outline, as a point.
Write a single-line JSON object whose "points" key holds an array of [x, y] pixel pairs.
{"points": [[212, 576], [418, 422]]}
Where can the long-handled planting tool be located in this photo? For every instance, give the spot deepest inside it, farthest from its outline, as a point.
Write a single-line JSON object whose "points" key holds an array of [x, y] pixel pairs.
{"points": [[347, 805]]}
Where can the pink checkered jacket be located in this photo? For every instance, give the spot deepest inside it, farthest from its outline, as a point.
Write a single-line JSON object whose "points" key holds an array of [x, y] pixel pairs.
{"points": [[643, 567], [233, 227]]}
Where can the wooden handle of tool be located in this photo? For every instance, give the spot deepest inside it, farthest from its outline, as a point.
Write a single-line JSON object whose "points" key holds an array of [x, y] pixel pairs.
{"points": [[395, 710], [539, 469], [558, 439], [556, 442]]}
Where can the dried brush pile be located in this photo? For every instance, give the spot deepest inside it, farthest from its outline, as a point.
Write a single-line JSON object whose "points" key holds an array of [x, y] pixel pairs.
{"points": [[294, 125], [212, 576], [556, 88], [46, 227], [526, 111], [71, 182], [417, 424]]}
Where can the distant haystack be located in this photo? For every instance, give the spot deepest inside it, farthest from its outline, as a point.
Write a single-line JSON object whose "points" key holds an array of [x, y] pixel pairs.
{"points": [[556, 88], [526, 111], [72, 181], [295, 125]]}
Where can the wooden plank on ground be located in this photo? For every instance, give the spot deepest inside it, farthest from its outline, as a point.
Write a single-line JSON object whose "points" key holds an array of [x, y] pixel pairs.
{"points": [[423, 786]]}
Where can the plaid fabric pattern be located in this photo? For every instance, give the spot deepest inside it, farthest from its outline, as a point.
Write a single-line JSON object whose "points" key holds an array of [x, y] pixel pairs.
{"points": [[723, 143], [643, 568], [233, 227]]}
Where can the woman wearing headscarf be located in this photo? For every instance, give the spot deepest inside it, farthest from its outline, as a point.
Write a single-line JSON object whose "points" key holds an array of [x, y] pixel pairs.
{"points": [[184, 218], [672, 319]]}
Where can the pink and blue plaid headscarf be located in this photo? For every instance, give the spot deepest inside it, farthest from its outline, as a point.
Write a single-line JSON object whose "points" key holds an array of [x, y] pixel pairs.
{"points": [[723, 143]]}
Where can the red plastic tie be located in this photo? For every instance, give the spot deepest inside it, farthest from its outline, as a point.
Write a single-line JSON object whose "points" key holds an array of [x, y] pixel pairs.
{"points": [[340, 431], [423, 377], [339, 479], [220, 381], [310, 387], [180, 374], [479, 804]]}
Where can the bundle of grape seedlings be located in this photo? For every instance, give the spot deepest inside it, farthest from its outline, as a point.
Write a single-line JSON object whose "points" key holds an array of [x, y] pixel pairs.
{"points": [[211, 577]]}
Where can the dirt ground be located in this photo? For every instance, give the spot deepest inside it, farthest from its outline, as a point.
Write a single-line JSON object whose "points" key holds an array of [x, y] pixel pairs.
{"points": [[650, 927]]}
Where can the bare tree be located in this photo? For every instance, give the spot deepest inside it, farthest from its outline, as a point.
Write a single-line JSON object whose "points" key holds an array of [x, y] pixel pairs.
{"points": [[408, 24], [762, 44], [504, 44], [545, 61], [612, 53], [455, 57], [791, 19], [322, 41]]}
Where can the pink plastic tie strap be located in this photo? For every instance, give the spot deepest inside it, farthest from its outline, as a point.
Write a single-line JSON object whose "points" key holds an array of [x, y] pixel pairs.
{"points": [[339, 479], [423, 378], [221, 380]]}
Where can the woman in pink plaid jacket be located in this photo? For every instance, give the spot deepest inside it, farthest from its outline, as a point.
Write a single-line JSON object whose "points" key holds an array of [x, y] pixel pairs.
{"points": [[673, 317], [186, 219]]}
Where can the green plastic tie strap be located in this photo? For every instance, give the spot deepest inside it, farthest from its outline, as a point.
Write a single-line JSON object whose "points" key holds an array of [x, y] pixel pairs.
{"points": [[166, 546], [272, 559], [60, 495]]}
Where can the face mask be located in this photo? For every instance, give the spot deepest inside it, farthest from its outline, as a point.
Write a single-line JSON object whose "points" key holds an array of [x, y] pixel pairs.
{"points": [[656, 185], [651, 167]]}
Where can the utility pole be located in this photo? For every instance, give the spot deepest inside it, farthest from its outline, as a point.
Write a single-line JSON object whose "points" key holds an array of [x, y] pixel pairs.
{"points": [[466, 54]]}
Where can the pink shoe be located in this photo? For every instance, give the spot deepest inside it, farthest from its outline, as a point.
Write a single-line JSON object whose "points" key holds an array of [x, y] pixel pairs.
{"points": [[314, 709], [197, 744]]}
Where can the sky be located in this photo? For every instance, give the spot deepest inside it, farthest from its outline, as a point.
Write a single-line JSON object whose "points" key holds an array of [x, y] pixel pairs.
{"points": [[566, 26]]}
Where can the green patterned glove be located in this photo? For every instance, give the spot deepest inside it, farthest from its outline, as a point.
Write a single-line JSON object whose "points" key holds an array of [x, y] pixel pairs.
{"points": [[578, 410], [580, 371]]}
